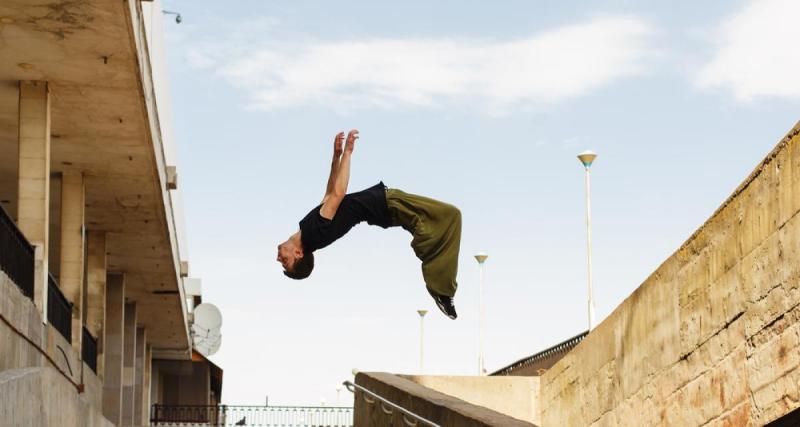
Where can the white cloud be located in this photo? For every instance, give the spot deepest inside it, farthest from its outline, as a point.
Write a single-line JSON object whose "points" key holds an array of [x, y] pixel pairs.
{"points": [[493, 74], [757, 51]]}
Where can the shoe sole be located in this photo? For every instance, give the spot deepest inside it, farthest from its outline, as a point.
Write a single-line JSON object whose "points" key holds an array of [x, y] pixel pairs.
{"points": [[444, 310]]}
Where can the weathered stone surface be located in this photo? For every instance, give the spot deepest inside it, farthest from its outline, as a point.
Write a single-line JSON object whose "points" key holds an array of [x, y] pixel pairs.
{"points": [[42, 397], [445, 410], [711, 337]]}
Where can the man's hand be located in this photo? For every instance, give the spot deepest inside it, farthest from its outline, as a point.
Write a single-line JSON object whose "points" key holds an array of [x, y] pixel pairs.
{"points": [[352, 136], [337, 145]]}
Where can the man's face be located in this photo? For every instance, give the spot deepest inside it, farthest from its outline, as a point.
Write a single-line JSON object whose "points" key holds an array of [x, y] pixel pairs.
{"points": [[288, 255]]}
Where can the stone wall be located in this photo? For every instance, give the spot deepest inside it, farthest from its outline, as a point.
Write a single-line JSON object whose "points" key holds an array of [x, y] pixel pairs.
{"points": [[712, 336], [34, 397], [443, 409], [21, 362], [515, 396]]}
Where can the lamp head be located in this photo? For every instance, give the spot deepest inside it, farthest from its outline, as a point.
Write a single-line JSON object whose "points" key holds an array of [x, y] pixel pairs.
{"points": [[481, 257], [422, 313], [587, 157]]}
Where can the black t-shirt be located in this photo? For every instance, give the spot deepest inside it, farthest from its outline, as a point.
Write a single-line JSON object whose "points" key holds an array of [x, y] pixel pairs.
{"points": [[368, 205]]}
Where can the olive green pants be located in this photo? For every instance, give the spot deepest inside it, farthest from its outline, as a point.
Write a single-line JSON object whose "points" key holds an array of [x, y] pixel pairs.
{"points": [[436, 231]]}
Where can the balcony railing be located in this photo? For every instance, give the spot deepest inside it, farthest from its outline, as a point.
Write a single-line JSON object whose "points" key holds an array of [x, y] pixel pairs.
{"points": [[16, 255], [59, 309], [225, 415], [89, 350]]}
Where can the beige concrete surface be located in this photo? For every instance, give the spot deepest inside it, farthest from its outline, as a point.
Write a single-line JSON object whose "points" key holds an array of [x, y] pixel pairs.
{"points": [[103, 123], [138, 380], [443, 409], [517, 397], [146, 389], [96, 292], [711, 337], [93, 389], [41, 397], [23, 316], [129, 365], [70, 278], [114, 348], [17, 352], [62, 354], [33, 180]]}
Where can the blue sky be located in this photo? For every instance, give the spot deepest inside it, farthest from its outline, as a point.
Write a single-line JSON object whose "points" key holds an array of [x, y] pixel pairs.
{"points": [[480, 104]]}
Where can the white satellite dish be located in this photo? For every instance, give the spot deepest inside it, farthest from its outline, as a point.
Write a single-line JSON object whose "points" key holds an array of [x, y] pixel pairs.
{"points": [[208, 346], [207, 316], [215, 346], [206, 335]]}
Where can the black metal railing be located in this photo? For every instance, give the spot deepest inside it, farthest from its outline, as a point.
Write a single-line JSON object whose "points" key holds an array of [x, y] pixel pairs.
{"points": [[89, 350], [59, 309], [228, 415], [16, 255], [541, 358]]}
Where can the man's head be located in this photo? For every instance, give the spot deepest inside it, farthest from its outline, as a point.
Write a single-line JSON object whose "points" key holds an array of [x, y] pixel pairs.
{"points": [[296, 264]]}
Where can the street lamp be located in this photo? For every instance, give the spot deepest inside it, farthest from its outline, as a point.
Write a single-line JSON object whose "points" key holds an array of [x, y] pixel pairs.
{"points": [[338, 391], [481, 258], [178, 18], [586, 158], [422, 314]]}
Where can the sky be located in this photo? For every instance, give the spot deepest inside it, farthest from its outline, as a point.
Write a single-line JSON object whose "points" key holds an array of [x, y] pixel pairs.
{"points": [[480, 104]]}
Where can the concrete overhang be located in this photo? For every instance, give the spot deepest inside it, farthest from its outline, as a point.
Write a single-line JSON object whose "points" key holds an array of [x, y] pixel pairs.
{"points": [[104, 123]]}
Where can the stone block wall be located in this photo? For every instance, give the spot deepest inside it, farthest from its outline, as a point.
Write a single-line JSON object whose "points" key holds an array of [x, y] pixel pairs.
{"points": [[34, 397], [22, 364], [712, 337], [515, 396], [438, 407]]}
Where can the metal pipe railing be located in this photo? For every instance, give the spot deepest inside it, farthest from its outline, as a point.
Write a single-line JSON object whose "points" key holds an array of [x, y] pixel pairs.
{"points": [[390, 410], [262, 416], [16, 255]]}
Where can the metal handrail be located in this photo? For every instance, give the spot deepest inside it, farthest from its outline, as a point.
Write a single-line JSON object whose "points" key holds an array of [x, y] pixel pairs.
{"points": [[561, 347], [229, 415], [406, 413]]}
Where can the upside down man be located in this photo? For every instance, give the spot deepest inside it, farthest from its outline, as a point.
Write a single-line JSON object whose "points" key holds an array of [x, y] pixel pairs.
{"points": [[435, 226]]}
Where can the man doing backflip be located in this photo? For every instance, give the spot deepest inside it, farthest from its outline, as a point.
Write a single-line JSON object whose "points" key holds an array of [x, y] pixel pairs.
{"points": [[435, 226]]}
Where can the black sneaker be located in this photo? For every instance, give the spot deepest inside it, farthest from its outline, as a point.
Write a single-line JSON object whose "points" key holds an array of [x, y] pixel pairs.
{"points": [[445, 304]]}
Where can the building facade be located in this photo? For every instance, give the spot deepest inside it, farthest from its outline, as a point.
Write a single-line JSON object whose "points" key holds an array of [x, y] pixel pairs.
{"points": [[92, 271]]}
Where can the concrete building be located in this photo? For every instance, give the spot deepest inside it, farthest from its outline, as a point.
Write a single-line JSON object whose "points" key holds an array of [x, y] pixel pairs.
{"points": [[711, 338], [92, 299]]}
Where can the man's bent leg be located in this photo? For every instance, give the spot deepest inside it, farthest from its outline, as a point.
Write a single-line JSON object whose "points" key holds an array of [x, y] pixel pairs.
{"points": [[436, 227]]}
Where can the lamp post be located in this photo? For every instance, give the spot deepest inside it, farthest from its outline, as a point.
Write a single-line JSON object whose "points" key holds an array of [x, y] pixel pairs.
{"points": [[338, 391], [422, 314], [481, 258], [586, 158]]}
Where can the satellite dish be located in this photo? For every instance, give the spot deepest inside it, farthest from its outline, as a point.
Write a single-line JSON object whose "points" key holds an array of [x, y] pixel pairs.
{"points": [[207, 316], [215, 346], [208, 346], [206, 336]]}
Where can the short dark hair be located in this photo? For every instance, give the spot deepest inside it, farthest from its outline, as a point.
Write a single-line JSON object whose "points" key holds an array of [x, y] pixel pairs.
{"points": [[302, 267]]}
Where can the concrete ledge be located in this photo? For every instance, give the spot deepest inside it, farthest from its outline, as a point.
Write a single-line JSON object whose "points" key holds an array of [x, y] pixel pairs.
{"points": [[517, 397], [438, 407]]}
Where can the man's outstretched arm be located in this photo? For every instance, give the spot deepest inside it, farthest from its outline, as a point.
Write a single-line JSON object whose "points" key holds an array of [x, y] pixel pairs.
{"points": [[337, 155], [330, 204]]}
